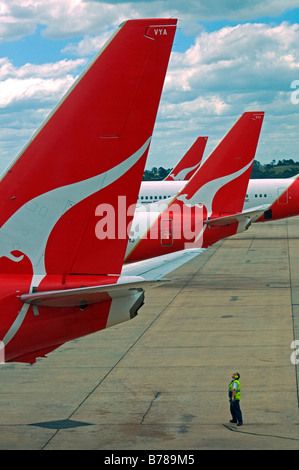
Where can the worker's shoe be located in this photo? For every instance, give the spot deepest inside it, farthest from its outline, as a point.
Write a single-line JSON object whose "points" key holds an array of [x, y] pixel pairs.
{"points": [[240, 424], [232, 421]]}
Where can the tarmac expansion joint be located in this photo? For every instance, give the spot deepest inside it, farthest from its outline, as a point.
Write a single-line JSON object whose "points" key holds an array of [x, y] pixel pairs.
{"points": [[156, 397]]}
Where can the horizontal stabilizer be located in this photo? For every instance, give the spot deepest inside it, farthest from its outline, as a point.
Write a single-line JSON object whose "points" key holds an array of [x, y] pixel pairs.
{"points": [[31, 357], [251, 215], [86, 295], [154, 269], [134, 276]]}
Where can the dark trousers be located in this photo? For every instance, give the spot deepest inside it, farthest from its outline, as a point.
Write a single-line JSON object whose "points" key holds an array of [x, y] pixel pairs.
{"points": [[236, 411]]}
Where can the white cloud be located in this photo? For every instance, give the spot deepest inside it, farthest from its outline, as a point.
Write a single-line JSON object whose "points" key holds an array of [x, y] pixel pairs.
{"points": [[223, 73], [234, 66], [208, 10], [36, 83], [249, 67], [51, 70], [27, 95], [14, 90], [62, 19], [210, 105], [70, 18], [89, 45], [244, 57]]}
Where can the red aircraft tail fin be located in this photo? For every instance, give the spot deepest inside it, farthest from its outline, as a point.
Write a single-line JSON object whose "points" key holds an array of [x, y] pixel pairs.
{"points": [[221, 182], [188, 165], [90, 150]]}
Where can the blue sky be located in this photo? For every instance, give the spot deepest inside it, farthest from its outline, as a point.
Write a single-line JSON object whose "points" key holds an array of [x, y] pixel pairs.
{"points": [[228, 58]]}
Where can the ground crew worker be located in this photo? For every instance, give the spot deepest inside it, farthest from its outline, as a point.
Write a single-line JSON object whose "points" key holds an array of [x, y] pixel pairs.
{"points": [[234, 393]]}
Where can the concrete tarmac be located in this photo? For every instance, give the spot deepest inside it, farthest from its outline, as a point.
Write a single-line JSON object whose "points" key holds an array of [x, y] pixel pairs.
{"points": [[159, 382]]}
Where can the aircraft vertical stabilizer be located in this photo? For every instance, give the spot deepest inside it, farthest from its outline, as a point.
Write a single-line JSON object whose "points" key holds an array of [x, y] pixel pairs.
{"points": [[188, 165], [90, 150]]}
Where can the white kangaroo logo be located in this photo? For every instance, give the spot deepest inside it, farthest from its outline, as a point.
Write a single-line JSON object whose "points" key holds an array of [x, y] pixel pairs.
{"points": [[182, 174], [205, 195], [24, 232]]}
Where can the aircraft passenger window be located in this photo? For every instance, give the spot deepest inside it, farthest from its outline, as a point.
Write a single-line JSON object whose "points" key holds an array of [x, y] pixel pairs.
{"points": [[255, 195], [141, 197], [160, 197], [151, 197], [156, 197], [265, 195], [261, 195], [146, 197], [164, 197]]}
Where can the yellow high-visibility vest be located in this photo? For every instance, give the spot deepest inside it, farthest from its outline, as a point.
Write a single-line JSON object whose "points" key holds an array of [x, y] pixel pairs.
{"points": [[238, 391]]}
